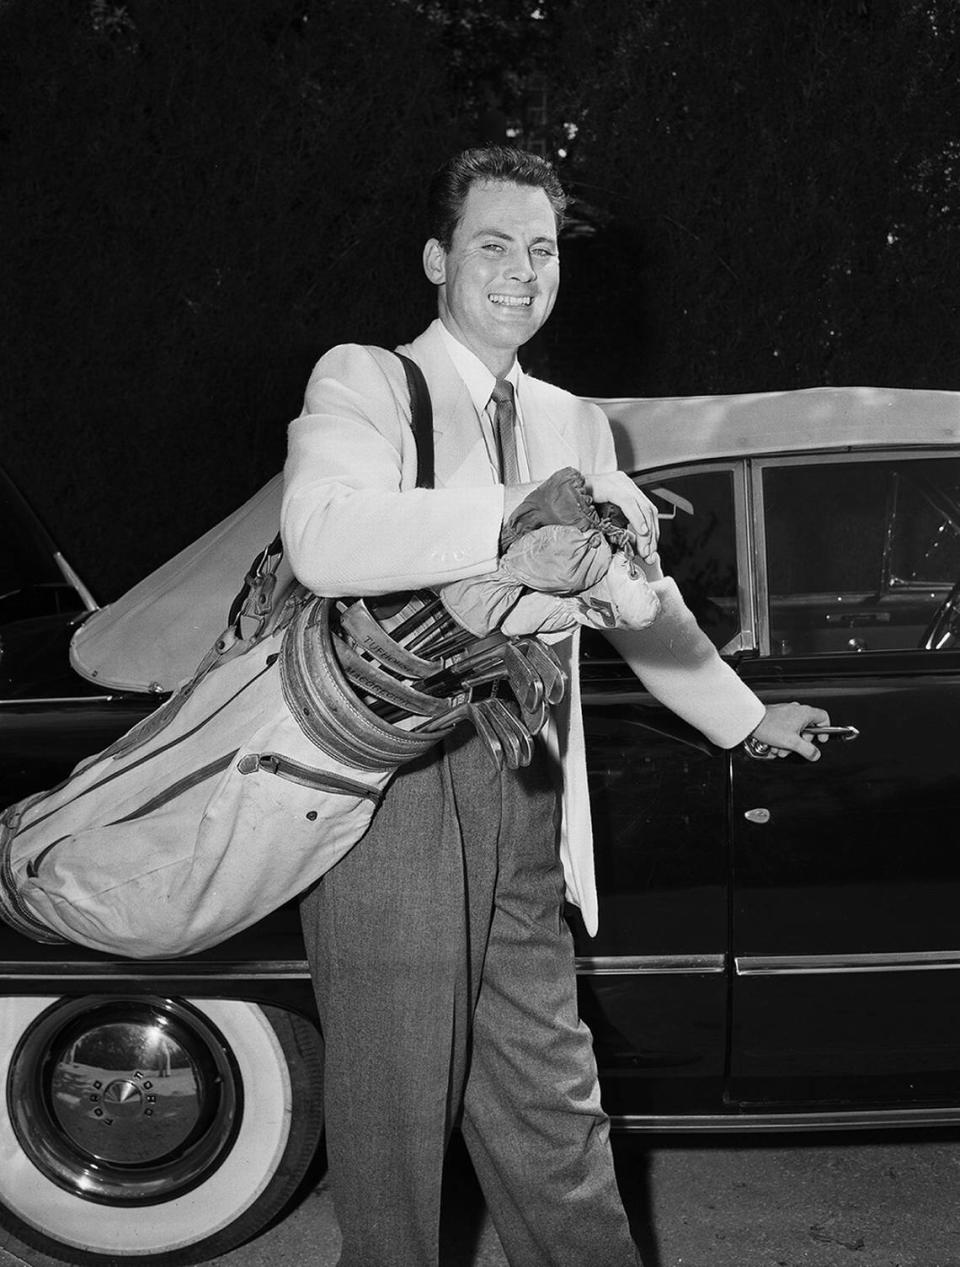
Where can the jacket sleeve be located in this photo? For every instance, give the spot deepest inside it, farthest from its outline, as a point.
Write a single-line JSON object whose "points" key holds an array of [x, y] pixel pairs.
{"points": [[352, 522], [679, 665]]}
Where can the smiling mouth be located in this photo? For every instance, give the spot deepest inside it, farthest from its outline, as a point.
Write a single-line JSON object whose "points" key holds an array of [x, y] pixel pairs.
{"points": [[511, 301]]}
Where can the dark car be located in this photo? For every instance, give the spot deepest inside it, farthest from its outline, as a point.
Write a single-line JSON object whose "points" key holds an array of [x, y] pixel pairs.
{"points": [[778, 942]]}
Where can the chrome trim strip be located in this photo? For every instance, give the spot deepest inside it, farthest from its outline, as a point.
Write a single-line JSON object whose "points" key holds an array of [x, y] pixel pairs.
{"points": [[592, 965], [896, 961], [299, 969], [56, 699], [758, 556], [123, 970], [750, 612], [836, 1120], [617, 965], [882, 451]]}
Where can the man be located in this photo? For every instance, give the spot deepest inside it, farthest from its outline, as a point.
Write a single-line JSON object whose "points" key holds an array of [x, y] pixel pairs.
{"points": [[443, 966]]}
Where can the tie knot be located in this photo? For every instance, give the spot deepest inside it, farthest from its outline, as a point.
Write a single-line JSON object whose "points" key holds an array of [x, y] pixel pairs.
{"points": [[502, 392]]}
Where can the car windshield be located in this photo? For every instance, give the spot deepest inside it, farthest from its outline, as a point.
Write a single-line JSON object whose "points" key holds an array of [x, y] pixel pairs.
{"points": [[27, 557]]}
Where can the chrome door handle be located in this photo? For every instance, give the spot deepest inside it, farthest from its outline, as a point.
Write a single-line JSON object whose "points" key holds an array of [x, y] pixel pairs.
{"points": [[846, 733], [761, 751]]}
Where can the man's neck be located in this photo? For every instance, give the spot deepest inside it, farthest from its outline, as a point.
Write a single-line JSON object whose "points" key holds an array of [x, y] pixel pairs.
{"points": [[498, 361]]}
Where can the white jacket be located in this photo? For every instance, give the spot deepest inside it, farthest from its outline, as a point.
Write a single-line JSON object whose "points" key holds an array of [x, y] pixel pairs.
{"points": [[353, 523]]}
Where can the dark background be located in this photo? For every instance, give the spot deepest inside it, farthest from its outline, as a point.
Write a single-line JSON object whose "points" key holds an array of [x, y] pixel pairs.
{"points": [[200, 196]]}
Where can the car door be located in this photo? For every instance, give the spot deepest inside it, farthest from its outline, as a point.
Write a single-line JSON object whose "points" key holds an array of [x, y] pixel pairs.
{"points": [[846, 873], [654, 982]]}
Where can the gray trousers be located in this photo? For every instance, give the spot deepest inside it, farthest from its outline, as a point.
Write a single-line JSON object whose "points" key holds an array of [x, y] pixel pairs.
{"points": [[445, 981]]}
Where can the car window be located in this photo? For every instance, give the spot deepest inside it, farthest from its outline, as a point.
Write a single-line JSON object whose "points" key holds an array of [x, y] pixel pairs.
{"points": [[699, 550], [860, 554]]}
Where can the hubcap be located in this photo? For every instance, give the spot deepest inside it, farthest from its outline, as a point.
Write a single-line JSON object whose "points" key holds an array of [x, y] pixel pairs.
{"points": [[124, 1101]]}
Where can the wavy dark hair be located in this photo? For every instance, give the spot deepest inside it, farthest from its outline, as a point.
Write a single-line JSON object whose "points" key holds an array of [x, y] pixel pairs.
{"points": [[452, 182]]}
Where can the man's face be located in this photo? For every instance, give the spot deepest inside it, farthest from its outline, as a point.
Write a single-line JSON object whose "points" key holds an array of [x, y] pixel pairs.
{"points": [[498, 281]]}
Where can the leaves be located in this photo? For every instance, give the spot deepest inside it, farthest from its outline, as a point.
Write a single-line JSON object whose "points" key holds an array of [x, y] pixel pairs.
{"points": [[782, 182]]}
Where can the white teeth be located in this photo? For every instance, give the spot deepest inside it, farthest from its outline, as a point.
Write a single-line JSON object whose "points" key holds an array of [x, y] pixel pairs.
{"points": [[512, 301]]}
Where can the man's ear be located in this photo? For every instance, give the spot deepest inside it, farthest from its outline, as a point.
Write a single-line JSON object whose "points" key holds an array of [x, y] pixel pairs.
{"points": [[435, 262]]}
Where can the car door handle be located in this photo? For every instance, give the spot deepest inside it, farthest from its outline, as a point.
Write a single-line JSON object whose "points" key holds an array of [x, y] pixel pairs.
{"points": [[846, 733], [761, 751]]}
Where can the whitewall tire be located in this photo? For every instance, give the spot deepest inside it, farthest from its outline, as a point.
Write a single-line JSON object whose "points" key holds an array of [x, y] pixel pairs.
{"points": [[156, 1129]]}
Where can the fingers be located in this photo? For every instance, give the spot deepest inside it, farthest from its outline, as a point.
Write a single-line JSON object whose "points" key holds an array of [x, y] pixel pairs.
{"points": [[785, 729], [809, 716], [817, 718], [795, 743], [640, 512], [642, 516], [806, 749], [814, 716]]}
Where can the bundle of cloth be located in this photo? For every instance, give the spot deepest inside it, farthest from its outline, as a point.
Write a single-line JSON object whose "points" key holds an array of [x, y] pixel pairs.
{"points": [[565, 561], [419, 663]]}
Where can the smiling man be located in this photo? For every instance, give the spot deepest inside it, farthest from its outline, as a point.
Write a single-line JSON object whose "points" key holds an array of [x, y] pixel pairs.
{"points": [[498, 271], [443, 967]]}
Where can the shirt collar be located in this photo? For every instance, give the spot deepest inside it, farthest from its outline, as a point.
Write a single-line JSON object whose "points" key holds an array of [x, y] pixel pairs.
{"points": [[479, 381]]}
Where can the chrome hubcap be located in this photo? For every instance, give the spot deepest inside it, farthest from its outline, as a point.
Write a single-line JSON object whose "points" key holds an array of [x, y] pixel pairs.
{"points": [[124, 1101]]}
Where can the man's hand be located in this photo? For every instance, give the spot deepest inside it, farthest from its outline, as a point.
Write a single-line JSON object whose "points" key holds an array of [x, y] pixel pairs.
{"points": [[783, 726], [619, 488]]}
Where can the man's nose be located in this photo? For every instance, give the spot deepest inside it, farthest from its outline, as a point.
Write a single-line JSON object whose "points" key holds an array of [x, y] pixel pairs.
{"points": [[520, 267]]}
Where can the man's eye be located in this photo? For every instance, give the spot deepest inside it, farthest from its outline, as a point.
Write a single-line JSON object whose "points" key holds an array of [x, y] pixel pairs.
{"points": [[544, 253]]}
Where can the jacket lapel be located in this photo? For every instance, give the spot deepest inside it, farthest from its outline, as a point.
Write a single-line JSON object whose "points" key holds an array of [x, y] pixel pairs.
{"points": [[550, 439]]}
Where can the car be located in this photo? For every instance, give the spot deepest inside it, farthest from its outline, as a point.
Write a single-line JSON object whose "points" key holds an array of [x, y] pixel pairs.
{"points": [[778, 944]]}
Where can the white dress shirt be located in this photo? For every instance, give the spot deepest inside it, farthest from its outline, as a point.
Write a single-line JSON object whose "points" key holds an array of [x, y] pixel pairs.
{"points": [[479, 382]]}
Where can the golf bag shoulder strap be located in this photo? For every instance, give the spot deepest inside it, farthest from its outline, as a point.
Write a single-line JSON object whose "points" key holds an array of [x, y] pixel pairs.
{"points": [[421, 419]]}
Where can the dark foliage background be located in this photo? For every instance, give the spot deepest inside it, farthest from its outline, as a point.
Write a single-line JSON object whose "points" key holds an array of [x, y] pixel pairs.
{"points": [[200, 196], [784, 183]]}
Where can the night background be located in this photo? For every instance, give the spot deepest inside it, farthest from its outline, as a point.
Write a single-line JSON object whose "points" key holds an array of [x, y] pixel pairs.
{"points": [[200, 196]]}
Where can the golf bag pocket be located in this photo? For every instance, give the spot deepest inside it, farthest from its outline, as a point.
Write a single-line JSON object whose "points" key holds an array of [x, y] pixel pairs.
{"points": [[212, 812]]}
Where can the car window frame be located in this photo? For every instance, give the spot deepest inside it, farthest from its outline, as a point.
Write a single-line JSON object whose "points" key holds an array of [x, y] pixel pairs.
{"points": [[745, 640], [755, 468]]}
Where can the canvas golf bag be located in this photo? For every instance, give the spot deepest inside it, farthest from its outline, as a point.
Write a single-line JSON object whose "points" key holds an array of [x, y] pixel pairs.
{"points": [[213, 810], [266, 765]]}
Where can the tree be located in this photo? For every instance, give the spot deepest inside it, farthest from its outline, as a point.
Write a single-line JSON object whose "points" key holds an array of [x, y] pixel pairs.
{"points": [[201, 198], [781, 182]]}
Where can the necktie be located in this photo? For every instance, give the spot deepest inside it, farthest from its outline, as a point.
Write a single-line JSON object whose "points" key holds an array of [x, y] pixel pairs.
{"points": [[505, 427]]}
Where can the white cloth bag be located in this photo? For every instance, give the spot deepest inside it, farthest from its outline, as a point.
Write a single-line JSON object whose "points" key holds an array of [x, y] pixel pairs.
{"points": [[211, 812]]}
